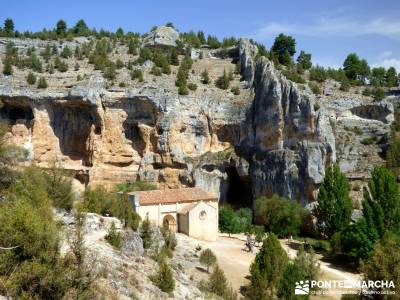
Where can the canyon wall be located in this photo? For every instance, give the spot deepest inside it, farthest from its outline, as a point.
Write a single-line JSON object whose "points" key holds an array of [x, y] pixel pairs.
{"points": [[277, 139]]}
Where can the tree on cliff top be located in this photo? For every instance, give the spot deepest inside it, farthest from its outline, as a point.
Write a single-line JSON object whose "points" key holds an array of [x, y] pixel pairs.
{"points": [[284, 48], [334, 207]]}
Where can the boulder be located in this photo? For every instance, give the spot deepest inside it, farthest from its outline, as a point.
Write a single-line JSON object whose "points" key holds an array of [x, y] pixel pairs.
{"points": [[161, 36]]}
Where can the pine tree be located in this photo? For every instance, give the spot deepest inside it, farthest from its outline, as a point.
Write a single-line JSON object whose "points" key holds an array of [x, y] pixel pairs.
{"points": [[9, 27], [292, 274], [42, 83], [382, 202], [217, 282], [223, 81], [391, 77], [173, 57], [61, 28], [7, 66], [334, 207], [114, 237], [164, 279], [146, 233], [207, 258], [31, 78], [267, 269], [204, 77]]}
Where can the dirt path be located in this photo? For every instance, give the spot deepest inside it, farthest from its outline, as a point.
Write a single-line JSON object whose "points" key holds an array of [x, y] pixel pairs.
{"points": [[236, 262]]}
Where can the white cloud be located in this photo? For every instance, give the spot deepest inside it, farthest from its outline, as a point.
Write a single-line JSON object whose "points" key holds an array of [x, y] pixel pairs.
{"points": [[335, 27], [384, 55], [390, 62]]}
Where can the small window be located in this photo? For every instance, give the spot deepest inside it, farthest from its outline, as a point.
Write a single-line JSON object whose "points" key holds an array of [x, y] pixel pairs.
{"points": [[203, 215]]}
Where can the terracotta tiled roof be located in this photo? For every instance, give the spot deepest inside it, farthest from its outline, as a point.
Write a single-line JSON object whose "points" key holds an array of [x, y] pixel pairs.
{"points": [[173, 196]]}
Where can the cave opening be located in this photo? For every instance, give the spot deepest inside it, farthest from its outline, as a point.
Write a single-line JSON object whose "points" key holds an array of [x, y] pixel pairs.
{"points": [[238, 189], [73, 125], [12, 113], [140, 112]]}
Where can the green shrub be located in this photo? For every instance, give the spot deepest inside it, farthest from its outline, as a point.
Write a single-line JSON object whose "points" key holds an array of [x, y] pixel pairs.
{"points": [[204, 77], [293, 75], [156, 71], [60, 65], [183, 90], [114, 237], [137, 74], [378, 93], [7, 67], [368, 140], [110, 71], [100, 201], [318, 73], [345, 86], [31, 78], [314, 88], [192, 86], [119, 64], [42, 83], [235, 90], [223, 81], [164, 278], [367, 92], [66, 52]]}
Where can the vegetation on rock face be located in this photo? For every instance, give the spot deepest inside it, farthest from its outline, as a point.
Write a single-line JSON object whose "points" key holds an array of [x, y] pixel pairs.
{"points": [[99, 201], [146, 233], [164, 279], [114, 237], [223, 81]]}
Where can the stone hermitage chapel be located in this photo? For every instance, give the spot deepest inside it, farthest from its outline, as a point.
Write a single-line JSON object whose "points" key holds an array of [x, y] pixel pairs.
{"points": [[192, 211]]}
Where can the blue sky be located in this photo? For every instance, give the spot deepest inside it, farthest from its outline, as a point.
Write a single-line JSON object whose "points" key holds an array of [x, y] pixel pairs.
{"points": [[328, 29]]}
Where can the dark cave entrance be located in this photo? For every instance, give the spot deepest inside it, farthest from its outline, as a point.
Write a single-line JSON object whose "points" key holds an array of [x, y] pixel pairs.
{"points": [[238, 189], [12, 113], [72, 125]]}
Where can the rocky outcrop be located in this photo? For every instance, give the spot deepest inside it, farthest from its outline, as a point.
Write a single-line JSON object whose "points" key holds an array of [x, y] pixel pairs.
{"points": [[161, 36], [247, 51], [288, 143]]}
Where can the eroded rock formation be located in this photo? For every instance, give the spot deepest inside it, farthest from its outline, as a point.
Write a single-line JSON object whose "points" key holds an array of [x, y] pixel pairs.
{"points": [[278, 139]]}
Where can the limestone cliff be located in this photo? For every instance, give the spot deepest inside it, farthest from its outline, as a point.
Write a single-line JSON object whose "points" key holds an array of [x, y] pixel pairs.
{"points": [[276, 137]]}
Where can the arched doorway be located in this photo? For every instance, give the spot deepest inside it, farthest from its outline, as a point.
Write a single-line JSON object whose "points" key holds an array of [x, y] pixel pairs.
{"points": [[169, 222]]}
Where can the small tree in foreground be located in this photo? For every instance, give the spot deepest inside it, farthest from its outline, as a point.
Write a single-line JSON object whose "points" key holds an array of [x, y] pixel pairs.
{"points": [[384, 263], [334, 204], [146, 233], [42, 84], [31, 78], [114, 237], [164, 279], [207, 258], [267, 269]]}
